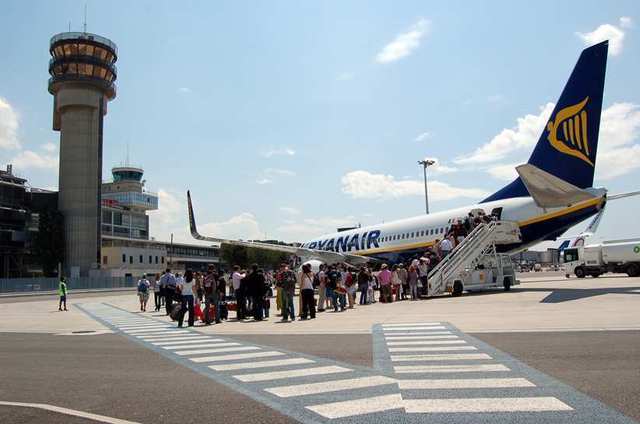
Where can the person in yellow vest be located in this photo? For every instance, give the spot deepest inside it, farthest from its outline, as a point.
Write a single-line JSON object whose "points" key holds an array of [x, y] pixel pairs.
{"points": [[62, 292]]}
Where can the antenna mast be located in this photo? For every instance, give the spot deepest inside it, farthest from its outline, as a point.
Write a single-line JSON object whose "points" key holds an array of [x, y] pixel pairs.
{"points": [[85, 18]]}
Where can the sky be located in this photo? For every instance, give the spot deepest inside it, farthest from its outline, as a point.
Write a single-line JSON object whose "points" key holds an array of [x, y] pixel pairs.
{"points": [[288, 119]]}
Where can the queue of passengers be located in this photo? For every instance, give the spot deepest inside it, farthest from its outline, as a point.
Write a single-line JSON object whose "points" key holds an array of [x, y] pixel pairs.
{"points": [[337, 285]]}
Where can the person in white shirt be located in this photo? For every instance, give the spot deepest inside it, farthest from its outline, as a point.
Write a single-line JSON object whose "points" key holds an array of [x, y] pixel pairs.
{"points": [[305, 280], [423, 272], [241, 300], [446, 247], [185, 286]]}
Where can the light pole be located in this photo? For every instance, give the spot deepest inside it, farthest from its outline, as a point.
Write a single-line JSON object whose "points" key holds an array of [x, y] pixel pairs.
{"points": [[425, 164]]}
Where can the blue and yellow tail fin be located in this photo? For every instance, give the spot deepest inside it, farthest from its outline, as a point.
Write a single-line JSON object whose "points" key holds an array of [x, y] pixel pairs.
{"points": [[569, 142]]}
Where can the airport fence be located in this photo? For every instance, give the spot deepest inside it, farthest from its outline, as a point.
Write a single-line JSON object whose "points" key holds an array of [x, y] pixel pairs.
{"points": [[34, 285]]}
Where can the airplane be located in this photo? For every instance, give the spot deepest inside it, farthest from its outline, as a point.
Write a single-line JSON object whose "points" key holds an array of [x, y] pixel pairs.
{"points": [[553, 191]]}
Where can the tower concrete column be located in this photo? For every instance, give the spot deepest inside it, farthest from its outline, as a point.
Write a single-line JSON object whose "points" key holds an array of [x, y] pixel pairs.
{"points": [[82, 82]]}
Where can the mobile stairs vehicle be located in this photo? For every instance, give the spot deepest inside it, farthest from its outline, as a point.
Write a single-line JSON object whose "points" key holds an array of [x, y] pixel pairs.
{"points": [[475, 263]]}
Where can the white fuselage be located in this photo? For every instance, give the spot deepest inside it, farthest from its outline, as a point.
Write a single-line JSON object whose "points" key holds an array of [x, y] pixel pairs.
{"points": [[422, 231]]}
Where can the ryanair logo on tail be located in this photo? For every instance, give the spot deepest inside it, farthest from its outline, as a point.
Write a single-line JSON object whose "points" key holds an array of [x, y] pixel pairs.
{"points": [[568, 132]]}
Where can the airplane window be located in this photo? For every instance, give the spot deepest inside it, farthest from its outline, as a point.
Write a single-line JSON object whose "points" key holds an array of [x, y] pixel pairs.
{"points": [[413, 235]]}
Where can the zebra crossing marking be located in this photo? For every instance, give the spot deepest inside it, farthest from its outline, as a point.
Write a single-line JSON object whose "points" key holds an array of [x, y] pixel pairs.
{"points": [[262, 364], [317, 390], [329, 386], [280, 375]]}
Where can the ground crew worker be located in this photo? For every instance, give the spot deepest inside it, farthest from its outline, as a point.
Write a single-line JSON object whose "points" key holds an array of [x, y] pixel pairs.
{"points": [[62, 292]]}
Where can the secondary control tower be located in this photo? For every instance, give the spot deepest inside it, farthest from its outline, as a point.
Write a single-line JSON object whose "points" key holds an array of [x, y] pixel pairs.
{"points": [[83, 73]]}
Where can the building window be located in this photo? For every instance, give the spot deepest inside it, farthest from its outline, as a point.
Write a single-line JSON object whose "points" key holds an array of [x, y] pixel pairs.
{"points": [[140, 258], [105, 260], [162, 259], [124, 258], [131, 260], [150, 259]]}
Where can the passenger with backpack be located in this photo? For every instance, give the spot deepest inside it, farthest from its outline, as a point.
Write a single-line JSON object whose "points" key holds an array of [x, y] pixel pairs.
{"points": [[143, 292]]}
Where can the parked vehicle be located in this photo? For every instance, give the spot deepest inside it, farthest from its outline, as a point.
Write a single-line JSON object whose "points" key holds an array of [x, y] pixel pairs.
{"points": [[620, 256]]}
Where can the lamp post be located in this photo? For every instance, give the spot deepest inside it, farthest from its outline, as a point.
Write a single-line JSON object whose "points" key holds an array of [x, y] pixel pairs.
{"points": [[425, 164]]}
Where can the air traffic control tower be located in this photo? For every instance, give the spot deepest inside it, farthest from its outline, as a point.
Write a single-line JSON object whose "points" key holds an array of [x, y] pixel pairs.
{"points": [[83, 73]]}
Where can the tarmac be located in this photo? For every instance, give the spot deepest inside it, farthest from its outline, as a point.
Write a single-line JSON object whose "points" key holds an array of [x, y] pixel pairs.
{"points": [[551, 350]]}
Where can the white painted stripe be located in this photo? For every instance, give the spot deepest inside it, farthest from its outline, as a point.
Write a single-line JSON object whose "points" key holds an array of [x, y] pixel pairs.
{"points": [[439, 357], [236, 356], [416, 333], [204, 344], [405, 369], [469, 383], [435, 327], [136, 330], [437, 342], [178, 337], [468, 405], [174, 333], [152, 331], [329, 386], [419, 342], [190, 340], [350, 408], [70, 412], [434, 335], [142, 326], [280, 375], [221, 350], [261, 364], [415, 324], [430, 348]]}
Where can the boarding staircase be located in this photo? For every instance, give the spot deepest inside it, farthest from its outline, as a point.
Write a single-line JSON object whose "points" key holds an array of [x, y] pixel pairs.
{"points": [[480, 243]]}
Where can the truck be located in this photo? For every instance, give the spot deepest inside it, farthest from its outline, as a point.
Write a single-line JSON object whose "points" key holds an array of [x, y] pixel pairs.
{"points": [[619, 256]]}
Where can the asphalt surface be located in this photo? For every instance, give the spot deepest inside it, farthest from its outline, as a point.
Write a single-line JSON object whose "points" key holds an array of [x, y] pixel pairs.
{"points": [[109, 375], [72, 296], [602, 364]]}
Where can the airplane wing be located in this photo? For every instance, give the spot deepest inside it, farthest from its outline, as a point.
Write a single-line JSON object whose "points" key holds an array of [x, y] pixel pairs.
{"points": [[622, 195], [321, 255]]}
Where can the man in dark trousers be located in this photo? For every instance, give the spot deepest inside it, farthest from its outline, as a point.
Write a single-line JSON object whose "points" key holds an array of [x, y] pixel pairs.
{"points": [[168, 281], [255, 287]]}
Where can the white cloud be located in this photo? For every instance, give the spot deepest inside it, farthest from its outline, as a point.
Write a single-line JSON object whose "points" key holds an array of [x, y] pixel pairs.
{"points": [[610, 32], [505, 172], [404, 43], [243, 226], [49, 147], [289, 210], [263, 181], [625, 22], [280, 151], [365, 185], [275, 172], [8, 126], [345, 76], [619, 129], [28, 159], [438, 167], [424, 136], [523, 136], [184, 90]]}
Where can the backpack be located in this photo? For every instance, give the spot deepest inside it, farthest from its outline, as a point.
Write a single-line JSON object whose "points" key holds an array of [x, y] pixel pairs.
{"points": [[142, 287]]}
